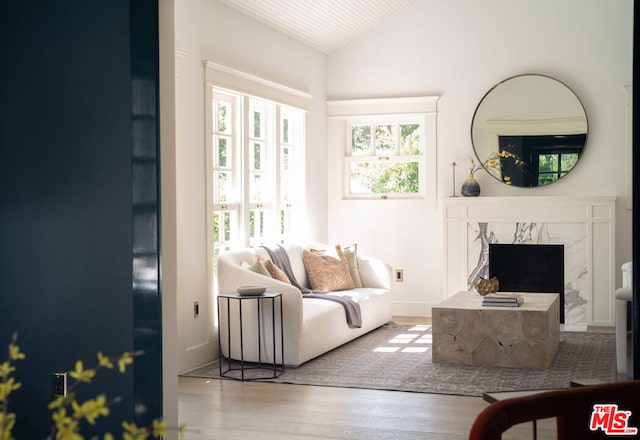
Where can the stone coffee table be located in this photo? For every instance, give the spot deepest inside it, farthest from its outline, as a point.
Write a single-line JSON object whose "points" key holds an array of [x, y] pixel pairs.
{"points": [[466, 332]]}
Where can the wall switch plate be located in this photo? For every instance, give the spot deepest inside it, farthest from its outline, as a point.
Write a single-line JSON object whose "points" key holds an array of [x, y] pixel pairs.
{"points": [[196, 309], [59, 384], [399, 275]]}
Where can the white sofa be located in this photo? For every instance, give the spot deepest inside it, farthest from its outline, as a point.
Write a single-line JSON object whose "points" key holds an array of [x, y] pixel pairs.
{"points": [[311, 326]]}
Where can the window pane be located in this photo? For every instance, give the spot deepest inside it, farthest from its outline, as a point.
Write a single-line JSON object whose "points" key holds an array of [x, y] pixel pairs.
{"points": [[385, 139], [285, 158], [257, 156], [227, 226], [285, 188], [257, 125], [223, 152], [360, 140], [223, 117], [285, 130], [410, 139], [221, 226], [255, 187], [385, 178], [568, 161], [548, 163], [216, 227], [256, 223], [224, 185], [545, 179]]}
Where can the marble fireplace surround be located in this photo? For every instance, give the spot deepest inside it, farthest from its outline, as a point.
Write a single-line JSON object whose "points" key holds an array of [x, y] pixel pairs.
{"points": [[584, 225]]}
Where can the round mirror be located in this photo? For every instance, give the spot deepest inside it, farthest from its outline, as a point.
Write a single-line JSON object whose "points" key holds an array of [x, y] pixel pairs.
{"points": [[529, 130]]}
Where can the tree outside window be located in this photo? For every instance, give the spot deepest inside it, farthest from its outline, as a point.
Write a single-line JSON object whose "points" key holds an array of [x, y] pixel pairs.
{"points": [[385, 158]]}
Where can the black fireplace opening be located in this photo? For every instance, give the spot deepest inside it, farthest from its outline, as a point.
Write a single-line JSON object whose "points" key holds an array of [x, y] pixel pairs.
{"points": [[529, 268]]}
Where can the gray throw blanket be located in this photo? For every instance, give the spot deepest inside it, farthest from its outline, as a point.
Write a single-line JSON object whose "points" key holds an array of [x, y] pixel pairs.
{"points": [[351, 308]]}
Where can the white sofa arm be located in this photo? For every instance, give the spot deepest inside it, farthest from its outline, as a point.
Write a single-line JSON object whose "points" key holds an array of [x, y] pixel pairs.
{"points": [[231, 274], [375, 273]]}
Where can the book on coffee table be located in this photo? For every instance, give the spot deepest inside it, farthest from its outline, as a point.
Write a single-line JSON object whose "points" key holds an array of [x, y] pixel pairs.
{"points": [[502, 300]]}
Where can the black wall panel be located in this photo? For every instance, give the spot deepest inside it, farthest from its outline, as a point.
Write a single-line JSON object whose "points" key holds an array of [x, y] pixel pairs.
{"points": [[66, 198]]}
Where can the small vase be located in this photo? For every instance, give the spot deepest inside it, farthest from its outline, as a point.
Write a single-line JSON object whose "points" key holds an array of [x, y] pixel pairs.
{"points": [[470, 187]]}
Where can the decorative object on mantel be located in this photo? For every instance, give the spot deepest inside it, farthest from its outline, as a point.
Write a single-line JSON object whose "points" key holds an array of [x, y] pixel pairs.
{"points": [[494, 162], [470, 187], [453, 167], [485, 286]]}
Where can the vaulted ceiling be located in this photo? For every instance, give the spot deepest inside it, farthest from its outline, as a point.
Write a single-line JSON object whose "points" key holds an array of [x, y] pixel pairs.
{"points": [[326, 25]]}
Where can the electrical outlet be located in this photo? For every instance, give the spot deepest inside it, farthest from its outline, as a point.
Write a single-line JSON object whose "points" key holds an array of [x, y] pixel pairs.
{"points": [[59, 384], [196, 309], [399, 275]]}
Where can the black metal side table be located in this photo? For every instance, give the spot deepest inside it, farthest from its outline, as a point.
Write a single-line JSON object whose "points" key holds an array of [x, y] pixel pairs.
{"points": [[275, 369]]}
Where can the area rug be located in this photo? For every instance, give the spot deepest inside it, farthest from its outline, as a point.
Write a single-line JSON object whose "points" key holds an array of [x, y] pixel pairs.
{"points": [[398, 357]]}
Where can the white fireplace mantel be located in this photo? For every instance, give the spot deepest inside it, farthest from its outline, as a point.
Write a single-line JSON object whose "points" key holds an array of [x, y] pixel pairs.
{"points": [[585, 225]]}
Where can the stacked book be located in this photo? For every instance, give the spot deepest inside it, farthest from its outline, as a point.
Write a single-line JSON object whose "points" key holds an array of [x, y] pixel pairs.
{"points": [[502, 300]]}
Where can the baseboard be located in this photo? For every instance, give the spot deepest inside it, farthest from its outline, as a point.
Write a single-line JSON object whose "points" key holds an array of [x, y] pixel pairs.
{"points": [[196, 356], [411, 309]]}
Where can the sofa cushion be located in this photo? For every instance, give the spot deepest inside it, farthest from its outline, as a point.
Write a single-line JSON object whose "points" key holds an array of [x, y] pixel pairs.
{"points": [[258, 267], [274, 270], [327, 273], [351, 254]]}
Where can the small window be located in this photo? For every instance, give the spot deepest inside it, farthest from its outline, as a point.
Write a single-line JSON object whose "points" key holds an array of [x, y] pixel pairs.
{"points": [[385, 158], [389, 149]]}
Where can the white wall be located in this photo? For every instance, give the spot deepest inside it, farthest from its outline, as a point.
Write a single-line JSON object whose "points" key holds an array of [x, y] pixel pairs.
{"points": [[458, 50], [205, 29], [168, 257]]}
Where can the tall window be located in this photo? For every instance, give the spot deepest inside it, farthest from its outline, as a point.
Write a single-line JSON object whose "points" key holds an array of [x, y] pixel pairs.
{"points": [[255, 132], [256, 176], [225, 174]]}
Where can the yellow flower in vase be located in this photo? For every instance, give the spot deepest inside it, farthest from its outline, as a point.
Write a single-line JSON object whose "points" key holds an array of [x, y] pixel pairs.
{"points": [[494, 162]]}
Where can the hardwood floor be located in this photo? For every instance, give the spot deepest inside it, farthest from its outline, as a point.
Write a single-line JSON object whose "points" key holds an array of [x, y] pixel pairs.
{"points": [[231, 410]]}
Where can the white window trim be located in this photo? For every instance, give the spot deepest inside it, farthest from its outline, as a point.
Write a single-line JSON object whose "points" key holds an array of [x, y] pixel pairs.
{"points": [[341, 112], [226, 78]]}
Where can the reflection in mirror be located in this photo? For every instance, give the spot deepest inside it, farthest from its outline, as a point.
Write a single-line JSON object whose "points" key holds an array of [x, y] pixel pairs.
{"points": [[535, 118]]}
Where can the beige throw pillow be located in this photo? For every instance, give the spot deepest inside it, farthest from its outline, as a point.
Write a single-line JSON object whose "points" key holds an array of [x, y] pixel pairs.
{"points": [[258, 267], [327, 274], [351, 254], [274, 270]]}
